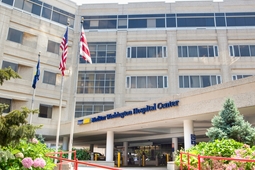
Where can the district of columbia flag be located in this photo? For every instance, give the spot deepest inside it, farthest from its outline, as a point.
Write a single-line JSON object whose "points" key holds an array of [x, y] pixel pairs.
{"points": [[63, 46], [37, 74], [84, 49]]}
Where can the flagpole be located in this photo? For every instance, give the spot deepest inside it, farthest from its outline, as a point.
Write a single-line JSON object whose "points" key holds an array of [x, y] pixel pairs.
{"points": [[33, 98], [60, 108], [74, 100]]}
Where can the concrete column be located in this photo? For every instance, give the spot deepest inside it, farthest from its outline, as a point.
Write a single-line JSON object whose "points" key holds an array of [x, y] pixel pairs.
{"points": [[125, 152], [188, 130], [109, 145], [65, 143], [175, 143], [91, 148]]}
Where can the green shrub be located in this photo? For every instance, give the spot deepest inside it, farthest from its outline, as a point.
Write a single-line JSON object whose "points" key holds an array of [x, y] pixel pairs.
{"points": [[81, 154], [28, 149], [224, 148]]}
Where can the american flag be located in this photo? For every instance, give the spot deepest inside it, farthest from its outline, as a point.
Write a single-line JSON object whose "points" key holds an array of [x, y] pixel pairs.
{"points": [[63, 46], [84, 49]]}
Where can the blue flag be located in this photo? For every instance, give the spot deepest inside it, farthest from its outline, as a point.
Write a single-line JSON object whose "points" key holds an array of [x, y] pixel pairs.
{"points": [[37, 74]]}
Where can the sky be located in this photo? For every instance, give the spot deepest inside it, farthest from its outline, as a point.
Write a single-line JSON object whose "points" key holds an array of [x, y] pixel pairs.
{"points": [[79, 2]]}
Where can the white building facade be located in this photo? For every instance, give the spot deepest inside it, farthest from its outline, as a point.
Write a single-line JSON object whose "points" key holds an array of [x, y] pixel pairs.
{"points": [[163, 69]]}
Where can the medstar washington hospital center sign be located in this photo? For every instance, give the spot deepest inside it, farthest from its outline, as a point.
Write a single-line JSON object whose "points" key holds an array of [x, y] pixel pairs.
{"points": [[135, 111]]}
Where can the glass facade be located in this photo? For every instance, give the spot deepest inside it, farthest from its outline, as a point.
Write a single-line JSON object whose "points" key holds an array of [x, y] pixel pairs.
{"points": [[198, 81], [180, 20], [89, 108], [44, 10], [101, 52], [242, 50], [96, 82], [198, 51], [137, 82]]}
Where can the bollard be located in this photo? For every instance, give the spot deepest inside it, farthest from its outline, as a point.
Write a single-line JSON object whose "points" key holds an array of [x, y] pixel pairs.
{"points": [[95, 157], [167, 158], [143, 160], [118, 159]]}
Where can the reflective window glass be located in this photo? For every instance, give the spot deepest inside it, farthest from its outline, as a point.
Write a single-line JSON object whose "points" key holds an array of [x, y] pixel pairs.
{"points": [[7, 64], [214, 81], [160, 81], [9, 2], [205, 81], [194, 82], [133, 82], [19, 4], [203, 51], [133, 51], [7, 102], [181, 81], [159, 52], [141, 82], [137, 23], [160, 23], [171, 22], [15, 35], [184, 51], [210, 50], [151, 23], [49, 78], [151, 52], [252, 47], [141, 52], [179, 51], [152, 82], [236, 50], [244, 50], [193, 51], [45, 111], [46, 13], [27, 6], [36, 9], [53, 47], [220, 22], [186, 81]]}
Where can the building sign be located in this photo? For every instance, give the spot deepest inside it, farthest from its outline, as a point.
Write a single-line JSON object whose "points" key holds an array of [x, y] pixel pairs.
{"points": [[193, 139], [135, 111]]}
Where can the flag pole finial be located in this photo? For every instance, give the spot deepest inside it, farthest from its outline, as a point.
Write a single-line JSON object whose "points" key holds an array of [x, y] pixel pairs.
{"points": [[39, 54], [68, 22], [82, 20]]}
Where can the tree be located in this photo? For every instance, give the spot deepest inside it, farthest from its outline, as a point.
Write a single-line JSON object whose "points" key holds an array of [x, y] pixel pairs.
{"points": [[7, 74], [13, 126], [229, 124], [41, 138]]}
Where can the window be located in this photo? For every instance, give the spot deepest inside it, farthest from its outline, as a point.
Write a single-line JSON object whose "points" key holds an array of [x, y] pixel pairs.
{"points": [[9, 2], [15, 35], [89, 108], [53, 47], [146, 82], [198, 81], [96, 82], [101, 52], [240, 19], [45, 10], [100, 22], [242, 50], [236, 77], [7, 64], [198, 51], [195, 20], [49, 78], [7, 102], [146, 52], [45, 111]]}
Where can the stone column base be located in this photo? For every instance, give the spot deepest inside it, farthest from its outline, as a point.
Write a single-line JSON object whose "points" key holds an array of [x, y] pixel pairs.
{"points": [[172, 166]]}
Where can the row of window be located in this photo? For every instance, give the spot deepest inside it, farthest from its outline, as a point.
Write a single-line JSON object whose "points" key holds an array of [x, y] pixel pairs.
{"points": [[198, 81], [18, 37], [146, 52], [242, 50], [198, 51], [48, 77], [88, 108], [146, 82], [169, 20], [43, 10]]}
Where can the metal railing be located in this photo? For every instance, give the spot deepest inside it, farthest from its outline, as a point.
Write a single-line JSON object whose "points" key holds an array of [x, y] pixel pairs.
{"points": [[75, 161], [208, 157]]}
